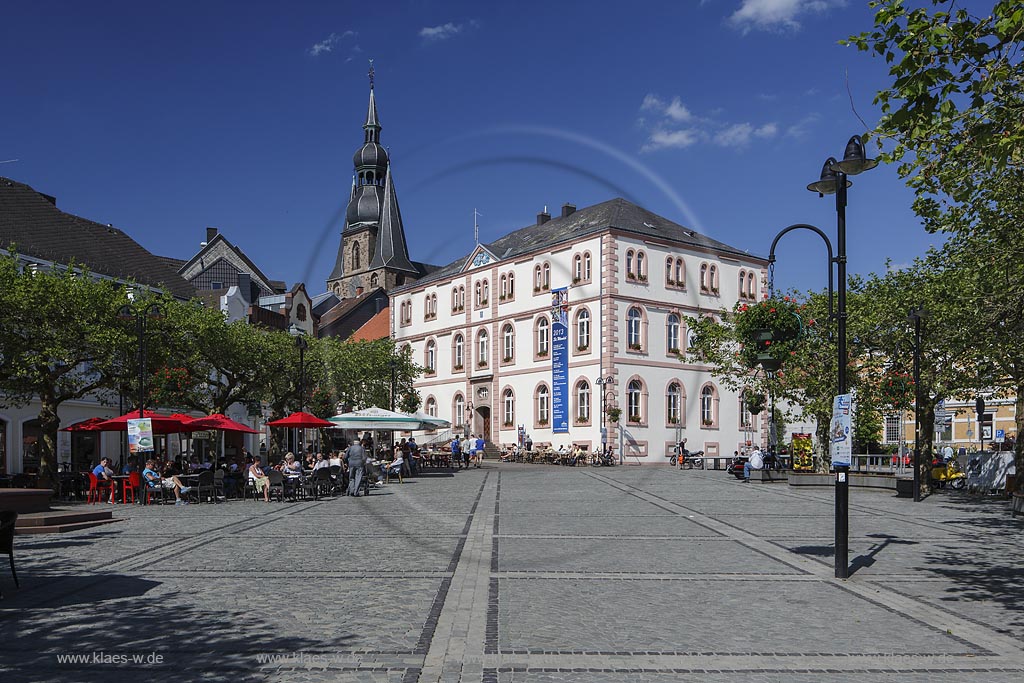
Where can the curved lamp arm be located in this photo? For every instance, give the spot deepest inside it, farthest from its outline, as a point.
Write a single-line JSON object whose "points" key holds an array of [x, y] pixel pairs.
{"points": [[828, 246]]}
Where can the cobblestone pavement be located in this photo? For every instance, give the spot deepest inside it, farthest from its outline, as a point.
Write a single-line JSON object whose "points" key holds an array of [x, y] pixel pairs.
{"points": [[518, 573]]}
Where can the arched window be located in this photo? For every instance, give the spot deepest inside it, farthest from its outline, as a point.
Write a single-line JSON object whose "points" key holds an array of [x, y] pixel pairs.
{"points": [[508, 401], [680, 280], [673, 404], [668, 271], [455, 299], [537, 279], [713, 278], [481, 349], [586, 265], [300, 312], [634, 394], [641, 266], [431, 406], [629, 263], [743, 284], [431, 356], [543, 404], [547, 276], [577, 268], [511, 285], [433, 305], [462, 298], [458, 352], [746, 418], [543, 336], [374, 281], [704, 286], [479, 297], [707, 405], [751, 286], [634, 320], [355, 256], [487, 291], [583, 401], [508, 339], [459, 410], [672, 333], [583, 330], [503, 292]]}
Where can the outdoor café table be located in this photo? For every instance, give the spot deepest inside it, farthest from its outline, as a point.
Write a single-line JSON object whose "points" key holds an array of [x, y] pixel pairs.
{"points": [[118, 481]]}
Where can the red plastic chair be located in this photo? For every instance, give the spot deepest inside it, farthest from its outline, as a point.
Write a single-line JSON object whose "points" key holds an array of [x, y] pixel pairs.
{"points": [[129, 487], [97, 487]]}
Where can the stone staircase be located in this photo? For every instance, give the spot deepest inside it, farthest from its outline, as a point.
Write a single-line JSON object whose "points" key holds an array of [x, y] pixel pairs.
{"points": [[60, 521]]}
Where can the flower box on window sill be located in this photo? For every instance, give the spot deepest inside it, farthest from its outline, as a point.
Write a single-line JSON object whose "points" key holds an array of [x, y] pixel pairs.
{"points": [[501, 297], [583, 347], [542, 354], [673, 421], [635, 347], [577, 280], [673, 351], [642, 278], [457, 367], [483, 303], [429, 373], [536, 290], [507, 424], [707, 423], [714, 290], [631, 277], [634, 419], [582, 419], [482, 364], [458, 309], [542, 423], [507, 359]]}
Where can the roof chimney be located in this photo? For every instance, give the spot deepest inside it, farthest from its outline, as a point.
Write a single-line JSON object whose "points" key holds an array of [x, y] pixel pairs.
{"points": [[568, 209], [210, 234], [543, 217]]}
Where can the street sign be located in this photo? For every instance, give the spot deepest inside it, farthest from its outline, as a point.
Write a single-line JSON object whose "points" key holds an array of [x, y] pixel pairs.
{"points": [[1000, 435]]}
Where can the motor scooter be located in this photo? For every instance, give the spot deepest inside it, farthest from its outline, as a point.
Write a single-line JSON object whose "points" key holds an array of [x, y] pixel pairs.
{"points": [[948, 472], [692, 460]]}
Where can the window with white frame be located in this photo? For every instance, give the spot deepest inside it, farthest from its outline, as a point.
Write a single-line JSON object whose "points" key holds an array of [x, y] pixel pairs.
{"points": [[458, 352], [431, 406], [459, 410], [634, 400], [577, 268], [543, 404], [583, 401], [543, 336], [587, 268], [674, 403], [707, 406], [893, 428], [508, 338], [583, 330], [509, 408], [634, 322], [672, 333], [481, 346], [431, 356]]}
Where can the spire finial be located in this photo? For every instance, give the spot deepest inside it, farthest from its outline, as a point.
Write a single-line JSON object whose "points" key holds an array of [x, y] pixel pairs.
{"points": [[370, 74]]}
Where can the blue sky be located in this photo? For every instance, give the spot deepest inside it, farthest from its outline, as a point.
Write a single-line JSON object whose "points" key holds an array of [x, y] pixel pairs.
{"points": [[165, 118]]}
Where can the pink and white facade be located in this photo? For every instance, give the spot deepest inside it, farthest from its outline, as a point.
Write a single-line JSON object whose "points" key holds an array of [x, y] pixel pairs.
{"points": [[482, 329]]}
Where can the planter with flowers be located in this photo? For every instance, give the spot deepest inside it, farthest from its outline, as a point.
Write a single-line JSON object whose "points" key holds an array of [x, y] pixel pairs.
{"points": [[768, 331]]}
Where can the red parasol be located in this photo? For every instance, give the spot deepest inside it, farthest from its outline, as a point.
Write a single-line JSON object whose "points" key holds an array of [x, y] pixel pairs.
{"points": [[222, 422], [162, 424], [90, 425], [301, 420], [186, 422]]}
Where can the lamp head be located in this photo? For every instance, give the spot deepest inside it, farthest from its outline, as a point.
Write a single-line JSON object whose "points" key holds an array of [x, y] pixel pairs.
{"points": [[854, 159], [829, 181]]}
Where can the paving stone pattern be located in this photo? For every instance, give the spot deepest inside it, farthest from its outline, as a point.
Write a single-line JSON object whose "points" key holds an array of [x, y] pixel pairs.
{"points": [[518, 573]]}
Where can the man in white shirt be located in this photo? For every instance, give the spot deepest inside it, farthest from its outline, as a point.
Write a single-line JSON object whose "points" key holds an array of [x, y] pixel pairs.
{"points": [[755, 462]]}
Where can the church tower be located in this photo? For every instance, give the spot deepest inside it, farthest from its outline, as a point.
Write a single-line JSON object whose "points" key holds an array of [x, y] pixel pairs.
{"points": [[373, 251]]}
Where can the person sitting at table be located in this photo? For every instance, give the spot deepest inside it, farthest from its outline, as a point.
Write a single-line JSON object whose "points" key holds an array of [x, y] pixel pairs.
{"points": [[394, 468], [131, 465], [292, 467], [335, 459], [154, 480], [104, 473], [260, 481], [320, 463]]}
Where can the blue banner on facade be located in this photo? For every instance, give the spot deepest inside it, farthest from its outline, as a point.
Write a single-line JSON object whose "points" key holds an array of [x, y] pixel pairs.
{"points": [[560, 360]]}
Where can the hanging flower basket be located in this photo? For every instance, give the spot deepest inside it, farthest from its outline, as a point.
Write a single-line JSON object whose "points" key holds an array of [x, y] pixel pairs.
{"points": [[896, 390], [768, 331]]}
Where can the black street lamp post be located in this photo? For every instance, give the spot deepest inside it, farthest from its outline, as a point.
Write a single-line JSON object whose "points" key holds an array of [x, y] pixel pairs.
{"points": [[153, 311], [834, 180], [917, 316], [301, 344]]}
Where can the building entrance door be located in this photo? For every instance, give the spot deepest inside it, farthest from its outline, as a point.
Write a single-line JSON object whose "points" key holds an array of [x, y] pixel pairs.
{"points": [[485, 421]]}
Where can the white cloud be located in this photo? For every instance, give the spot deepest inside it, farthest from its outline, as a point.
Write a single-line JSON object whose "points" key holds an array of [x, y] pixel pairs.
{"points": [[435, 34], [671, 139], [777, 15], [674, 126], [802, 127], [329, 43]]}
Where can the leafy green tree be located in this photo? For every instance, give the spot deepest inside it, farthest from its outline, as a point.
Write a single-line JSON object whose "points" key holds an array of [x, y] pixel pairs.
{"points": [[953, 119], [360, 373], [59, 342]]}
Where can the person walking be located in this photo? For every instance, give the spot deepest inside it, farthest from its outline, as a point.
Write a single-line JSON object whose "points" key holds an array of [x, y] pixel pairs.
{"points": [[456, 453], [478, 454], [355, 456]]}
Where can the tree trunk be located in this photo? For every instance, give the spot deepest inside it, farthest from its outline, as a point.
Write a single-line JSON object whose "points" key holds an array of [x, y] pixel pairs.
{"points": [[1018, 446], [926, 434], [49, 423]]}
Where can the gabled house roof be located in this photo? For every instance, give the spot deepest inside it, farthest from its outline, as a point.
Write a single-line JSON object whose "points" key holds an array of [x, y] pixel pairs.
{"points": [[212, 245], [32, 223]]}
